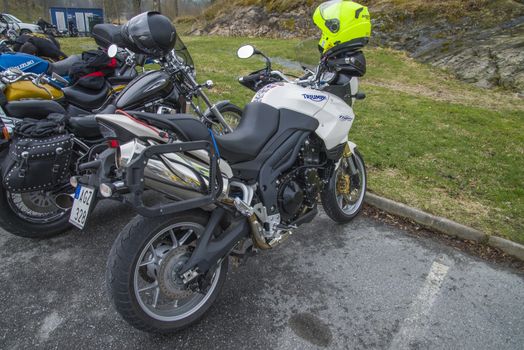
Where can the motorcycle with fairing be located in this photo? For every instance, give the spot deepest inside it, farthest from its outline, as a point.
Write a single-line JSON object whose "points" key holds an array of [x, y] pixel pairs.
{"points": [[225, 195]]}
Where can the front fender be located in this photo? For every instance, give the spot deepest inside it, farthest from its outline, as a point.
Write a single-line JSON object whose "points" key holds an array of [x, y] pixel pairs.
{"points": [[209, 115], [352, 146]]}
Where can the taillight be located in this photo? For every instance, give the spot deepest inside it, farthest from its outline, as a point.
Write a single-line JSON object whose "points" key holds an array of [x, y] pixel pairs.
{"points": [[113, 143]]}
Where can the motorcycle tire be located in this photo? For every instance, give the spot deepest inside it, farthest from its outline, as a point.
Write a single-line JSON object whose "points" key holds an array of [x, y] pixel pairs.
{"points": [[134, 250], [333, 205], [232, 114], [18, 226]]}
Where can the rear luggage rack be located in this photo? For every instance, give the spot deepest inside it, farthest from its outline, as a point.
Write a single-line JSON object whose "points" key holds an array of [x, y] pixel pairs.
{"points": [[135, 179]]}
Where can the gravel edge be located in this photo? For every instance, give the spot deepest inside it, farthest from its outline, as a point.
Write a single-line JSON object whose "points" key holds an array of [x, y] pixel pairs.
{"points": [[444, 225]]}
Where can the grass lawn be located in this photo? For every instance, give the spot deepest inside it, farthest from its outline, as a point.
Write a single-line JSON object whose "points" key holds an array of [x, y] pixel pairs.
{"points": [[429, 140]]}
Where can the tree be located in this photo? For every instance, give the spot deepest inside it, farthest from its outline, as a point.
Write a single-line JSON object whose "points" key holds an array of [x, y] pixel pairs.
{"points": [[137, 5]]}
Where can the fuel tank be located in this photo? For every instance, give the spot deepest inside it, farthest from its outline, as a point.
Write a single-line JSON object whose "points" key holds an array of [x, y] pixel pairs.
{"points": [[24, 62], [145, 89], [24, 89], [334, 115]]}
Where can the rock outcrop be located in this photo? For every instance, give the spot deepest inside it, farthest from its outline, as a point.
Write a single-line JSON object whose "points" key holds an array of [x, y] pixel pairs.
{"points": [[485, 55]]}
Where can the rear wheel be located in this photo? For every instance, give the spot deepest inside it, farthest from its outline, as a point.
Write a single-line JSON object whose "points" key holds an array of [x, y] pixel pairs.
{"points": [[32, 215], [343, 197], [142, 273]]}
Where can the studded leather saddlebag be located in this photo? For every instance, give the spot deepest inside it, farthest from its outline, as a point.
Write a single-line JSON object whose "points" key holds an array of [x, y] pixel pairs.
{"points": [[37, 164]]}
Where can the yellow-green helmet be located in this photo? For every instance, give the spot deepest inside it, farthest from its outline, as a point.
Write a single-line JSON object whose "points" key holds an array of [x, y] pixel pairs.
{"points": [[342, 21]]}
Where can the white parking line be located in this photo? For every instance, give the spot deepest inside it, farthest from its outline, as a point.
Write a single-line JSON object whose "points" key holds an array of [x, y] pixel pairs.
{"points": [[420, 307]]}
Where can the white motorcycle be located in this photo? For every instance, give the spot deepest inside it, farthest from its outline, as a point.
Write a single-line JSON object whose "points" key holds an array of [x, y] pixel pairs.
{"points": [[228, 194]]}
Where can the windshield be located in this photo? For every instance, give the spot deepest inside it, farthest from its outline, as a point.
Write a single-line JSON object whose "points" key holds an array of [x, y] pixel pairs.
{"points": [[12, 18], [182, 52], [307, 54]]}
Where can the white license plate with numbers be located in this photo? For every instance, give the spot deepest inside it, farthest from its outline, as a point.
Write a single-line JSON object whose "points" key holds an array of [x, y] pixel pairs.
{"points": [[81, 205]]}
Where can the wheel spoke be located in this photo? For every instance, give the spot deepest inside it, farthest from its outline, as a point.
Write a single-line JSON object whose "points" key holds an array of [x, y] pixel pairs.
{"points": [[146, 263], [173, 238], [340, 202], [185, 237], [152, 251], [155, 298], [151, 286]]}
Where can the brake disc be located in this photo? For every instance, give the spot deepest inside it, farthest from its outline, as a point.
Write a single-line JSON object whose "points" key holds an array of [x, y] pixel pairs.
{"points": [[169, 281]]}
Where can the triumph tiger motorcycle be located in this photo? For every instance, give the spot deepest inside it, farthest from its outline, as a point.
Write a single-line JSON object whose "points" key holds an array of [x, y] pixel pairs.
{"points": [[35, 194], [226, 195]]}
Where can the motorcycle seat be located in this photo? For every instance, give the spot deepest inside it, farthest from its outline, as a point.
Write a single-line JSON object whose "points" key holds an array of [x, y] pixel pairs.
{"points": [[258, 124], [62, 67], [86, 98], [84, 127], [36, 109]]}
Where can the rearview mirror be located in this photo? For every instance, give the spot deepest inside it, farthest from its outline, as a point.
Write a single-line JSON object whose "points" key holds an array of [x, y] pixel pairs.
{"points": [[112, 50], [59, 79], [246, 51]]}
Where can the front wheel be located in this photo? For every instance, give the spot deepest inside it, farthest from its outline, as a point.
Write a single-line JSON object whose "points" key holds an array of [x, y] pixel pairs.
{"points": [[343, 197], [143, 279], [232, 115]]}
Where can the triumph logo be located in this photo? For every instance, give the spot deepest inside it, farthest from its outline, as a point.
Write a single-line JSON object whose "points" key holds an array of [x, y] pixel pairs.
{"points": [[345, 118], [314, 98], [25, 64]]}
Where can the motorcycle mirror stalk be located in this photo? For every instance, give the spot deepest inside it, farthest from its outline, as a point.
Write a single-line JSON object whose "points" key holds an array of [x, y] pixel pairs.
{"points": [[248, 51]]}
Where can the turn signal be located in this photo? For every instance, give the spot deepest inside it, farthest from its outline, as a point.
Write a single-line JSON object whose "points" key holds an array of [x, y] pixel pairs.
{"points": [[5, 133], [73, 181], [105, 190]]}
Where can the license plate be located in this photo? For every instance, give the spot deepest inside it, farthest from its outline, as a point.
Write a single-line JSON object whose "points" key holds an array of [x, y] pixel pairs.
{"points": [[81, 205]]}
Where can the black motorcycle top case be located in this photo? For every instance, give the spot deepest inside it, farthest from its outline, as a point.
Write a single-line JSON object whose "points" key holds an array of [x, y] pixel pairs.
{"points": [[145, 89]]}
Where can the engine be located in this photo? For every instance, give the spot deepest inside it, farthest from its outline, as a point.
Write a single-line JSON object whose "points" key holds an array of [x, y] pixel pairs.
{"points": [[299, 188]]}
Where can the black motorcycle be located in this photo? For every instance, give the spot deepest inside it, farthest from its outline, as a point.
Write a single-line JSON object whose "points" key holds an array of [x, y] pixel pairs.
{"points": [[38, 206]]}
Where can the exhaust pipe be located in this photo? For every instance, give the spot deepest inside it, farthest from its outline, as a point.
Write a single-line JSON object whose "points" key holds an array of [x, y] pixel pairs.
{"points": [[256, 232], [64, 201]]}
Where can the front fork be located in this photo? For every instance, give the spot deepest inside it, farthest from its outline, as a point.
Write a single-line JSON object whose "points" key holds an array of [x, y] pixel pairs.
{"points": [[349, 150]]}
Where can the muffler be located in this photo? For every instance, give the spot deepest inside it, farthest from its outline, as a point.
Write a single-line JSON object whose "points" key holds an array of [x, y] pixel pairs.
{"points": [[177, 175], [64, 201]]}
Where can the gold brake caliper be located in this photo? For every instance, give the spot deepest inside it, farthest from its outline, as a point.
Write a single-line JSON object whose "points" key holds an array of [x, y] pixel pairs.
{"points": [[343, 180], [343, 184]]}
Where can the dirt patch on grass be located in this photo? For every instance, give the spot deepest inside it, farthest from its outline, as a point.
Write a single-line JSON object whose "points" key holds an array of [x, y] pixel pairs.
{"points": [[496, 101]]}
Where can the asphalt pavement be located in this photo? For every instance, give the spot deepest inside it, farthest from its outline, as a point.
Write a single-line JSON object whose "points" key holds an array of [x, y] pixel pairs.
{"points": [[365, 285]]}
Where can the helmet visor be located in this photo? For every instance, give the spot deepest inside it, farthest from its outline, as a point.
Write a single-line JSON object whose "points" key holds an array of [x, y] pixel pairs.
{"points": [[330, 10], [330, 13]]}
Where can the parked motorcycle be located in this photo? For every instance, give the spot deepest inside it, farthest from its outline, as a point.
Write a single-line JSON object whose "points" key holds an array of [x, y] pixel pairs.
{"points": [[227, 193], [38, 206], [48, 28]]}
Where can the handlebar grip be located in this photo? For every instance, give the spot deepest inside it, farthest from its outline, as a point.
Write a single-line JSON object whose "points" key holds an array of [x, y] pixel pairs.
{"points": [[250, 78]]}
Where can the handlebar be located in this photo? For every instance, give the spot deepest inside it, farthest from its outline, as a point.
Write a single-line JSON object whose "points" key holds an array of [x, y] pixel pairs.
{"points": [[251, 78]]}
